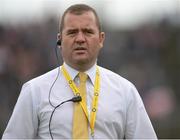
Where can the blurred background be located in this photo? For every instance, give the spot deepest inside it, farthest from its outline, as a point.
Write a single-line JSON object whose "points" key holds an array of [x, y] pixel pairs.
{"points": [[142, 44]]}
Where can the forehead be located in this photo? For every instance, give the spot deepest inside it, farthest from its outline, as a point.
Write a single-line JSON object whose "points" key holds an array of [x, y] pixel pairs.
{"points": [[86, 19]]}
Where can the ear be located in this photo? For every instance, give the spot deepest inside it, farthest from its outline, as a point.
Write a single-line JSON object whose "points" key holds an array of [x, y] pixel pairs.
{"points": [[58, 36], [101, 39], [59, 39]]}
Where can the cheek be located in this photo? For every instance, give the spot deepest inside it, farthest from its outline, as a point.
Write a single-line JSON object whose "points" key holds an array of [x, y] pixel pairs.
{"points": [[94, 51], [66, 46], [65, 51], [93, 43], [95, 46]]}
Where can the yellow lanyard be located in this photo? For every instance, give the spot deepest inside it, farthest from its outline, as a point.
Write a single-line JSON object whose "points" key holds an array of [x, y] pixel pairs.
{"points": [[95, 97]]}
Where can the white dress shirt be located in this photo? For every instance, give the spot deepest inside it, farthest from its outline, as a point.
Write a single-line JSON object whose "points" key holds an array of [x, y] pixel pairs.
{"points": [[120, 114]]}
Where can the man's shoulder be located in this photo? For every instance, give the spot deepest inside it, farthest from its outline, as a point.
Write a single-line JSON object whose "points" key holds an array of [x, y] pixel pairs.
{"points": [[46, 77], [112, 76], [109, 73]]}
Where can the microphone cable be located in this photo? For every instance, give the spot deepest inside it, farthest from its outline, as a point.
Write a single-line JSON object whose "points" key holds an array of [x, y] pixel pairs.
{"points": [[58, 61], [74, 99]]}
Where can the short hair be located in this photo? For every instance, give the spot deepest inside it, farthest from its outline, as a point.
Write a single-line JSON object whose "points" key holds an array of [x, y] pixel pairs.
{"points": [[79, 9]]}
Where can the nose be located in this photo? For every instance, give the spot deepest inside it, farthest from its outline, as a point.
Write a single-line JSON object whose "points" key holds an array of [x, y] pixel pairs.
{"points": [[80, 38]]}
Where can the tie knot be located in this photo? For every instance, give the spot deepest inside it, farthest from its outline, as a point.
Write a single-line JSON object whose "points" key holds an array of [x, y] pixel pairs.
{"points": [[83, 76]]}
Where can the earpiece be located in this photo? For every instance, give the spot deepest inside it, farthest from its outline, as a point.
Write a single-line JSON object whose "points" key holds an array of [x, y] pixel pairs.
{"points": [[59, 42]]}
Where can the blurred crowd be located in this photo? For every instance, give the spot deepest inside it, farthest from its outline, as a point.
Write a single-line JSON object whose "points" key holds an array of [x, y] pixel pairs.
{"points": [[148, 56]]}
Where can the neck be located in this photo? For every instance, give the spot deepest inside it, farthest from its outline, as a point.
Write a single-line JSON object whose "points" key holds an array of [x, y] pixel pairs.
{"points": [[80, 67]]}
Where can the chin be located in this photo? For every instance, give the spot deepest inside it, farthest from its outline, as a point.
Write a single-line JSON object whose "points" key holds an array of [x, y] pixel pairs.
{"points": [[82, 61]]}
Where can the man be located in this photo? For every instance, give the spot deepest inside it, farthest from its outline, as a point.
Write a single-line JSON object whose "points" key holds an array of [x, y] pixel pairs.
{"points": [[111, 107]]}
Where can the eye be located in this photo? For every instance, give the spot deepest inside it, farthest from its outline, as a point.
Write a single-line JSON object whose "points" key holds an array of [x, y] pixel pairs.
{"points": [[71, 32], [88, 31]]}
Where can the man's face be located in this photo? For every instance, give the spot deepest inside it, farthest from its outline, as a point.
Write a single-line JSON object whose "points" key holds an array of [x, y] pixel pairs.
{"points": [[81, 40]]}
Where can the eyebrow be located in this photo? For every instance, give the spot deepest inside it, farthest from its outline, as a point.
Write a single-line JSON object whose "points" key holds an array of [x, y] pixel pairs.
{"points": [[76, 30], [88, 29], [71, 30]]}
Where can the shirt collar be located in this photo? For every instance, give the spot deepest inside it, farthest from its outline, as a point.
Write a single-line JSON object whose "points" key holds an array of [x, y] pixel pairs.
{"points": [[90, 72]]}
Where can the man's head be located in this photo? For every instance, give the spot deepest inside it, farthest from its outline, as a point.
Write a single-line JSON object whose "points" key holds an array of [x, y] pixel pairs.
{"points": [[81, 36], [79, 9]]}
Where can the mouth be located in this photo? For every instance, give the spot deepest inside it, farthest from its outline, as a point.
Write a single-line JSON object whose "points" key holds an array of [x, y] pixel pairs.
{"points": [[80, 50]]}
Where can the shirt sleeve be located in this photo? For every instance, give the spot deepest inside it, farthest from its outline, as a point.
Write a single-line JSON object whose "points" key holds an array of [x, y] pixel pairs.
{"points": [[23, 123], [138, 124]]}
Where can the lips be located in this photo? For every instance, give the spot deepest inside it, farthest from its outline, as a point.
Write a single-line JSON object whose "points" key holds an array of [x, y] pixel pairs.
{"points": [[80, 48]]}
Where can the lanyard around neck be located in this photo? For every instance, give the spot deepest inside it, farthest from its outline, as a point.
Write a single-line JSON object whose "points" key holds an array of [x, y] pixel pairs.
{"points": [[76, 92]]}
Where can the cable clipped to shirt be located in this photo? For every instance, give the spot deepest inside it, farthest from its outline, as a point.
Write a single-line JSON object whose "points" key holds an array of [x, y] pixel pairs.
{"points": [[58, 43], [74, 99]]}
